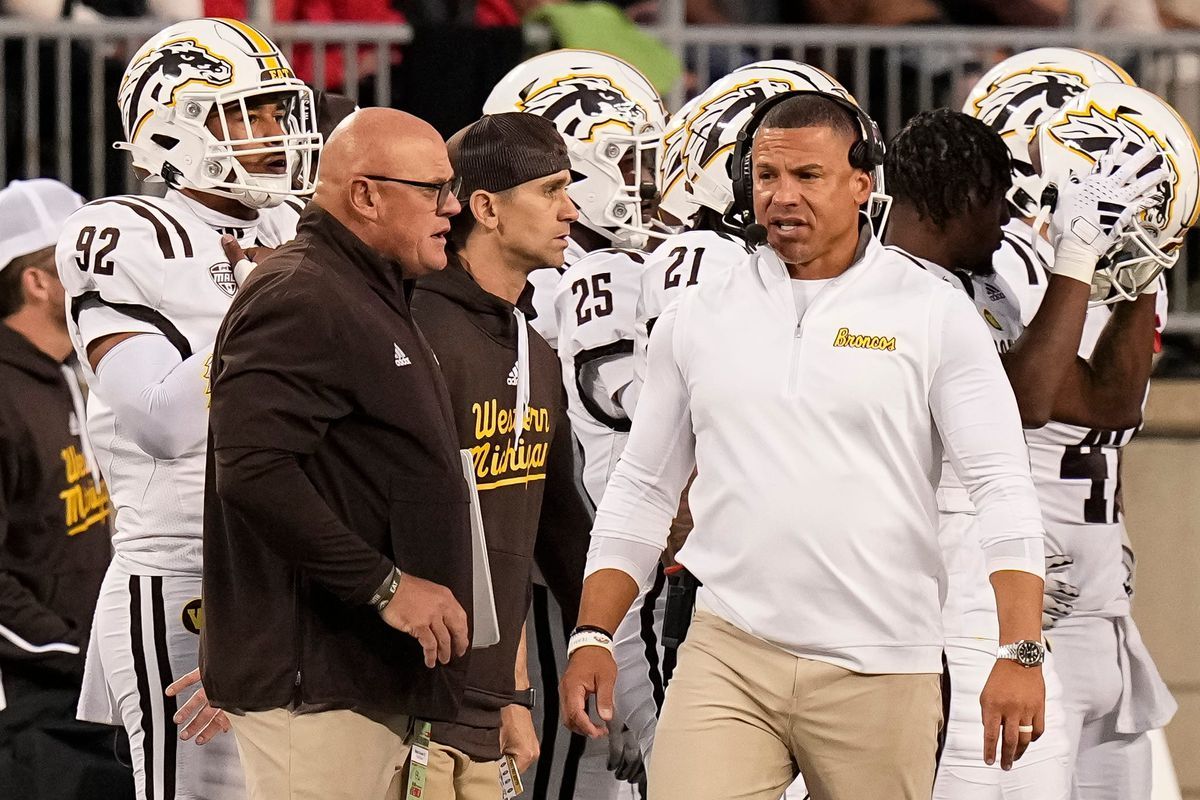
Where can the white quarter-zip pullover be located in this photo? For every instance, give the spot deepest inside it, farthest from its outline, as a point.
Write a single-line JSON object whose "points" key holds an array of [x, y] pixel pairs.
{"points": [[818, 444]]}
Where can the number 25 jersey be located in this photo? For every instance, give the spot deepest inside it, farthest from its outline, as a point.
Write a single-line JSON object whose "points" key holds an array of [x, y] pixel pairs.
{"points": [[595, 305]]}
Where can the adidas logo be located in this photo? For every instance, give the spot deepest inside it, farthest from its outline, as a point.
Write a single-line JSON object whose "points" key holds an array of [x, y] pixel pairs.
{"points": [[401, 359], [512, 376]]}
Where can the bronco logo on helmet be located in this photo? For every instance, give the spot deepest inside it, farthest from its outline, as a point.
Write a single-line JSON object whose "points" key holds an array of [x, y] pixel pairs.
{"points": [[580, 104], [721, 111], [168, 69], [1032, 94], [1093, 131]]}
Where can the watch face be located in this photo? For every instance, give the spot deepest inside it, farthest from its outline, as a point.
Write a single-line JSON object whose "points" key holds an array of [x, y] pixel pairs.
{"points": [[1029, 653]]}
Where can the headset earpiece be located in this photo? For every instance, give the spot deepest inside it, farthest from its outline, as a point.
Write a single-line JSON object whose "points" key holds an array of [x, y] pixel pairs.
{"points": [[866, 154]]}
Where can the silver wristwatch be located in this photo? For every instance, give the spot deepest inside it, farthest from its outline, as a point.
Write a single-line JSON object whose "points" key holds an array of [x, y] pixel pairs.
{"points": [[1024, 652]]}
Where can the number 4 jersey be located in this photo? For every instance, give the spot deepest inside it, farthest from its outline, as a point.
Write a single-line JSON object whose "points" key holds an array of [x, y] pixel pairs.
{"points": [[1076, 470], [154, 265]]}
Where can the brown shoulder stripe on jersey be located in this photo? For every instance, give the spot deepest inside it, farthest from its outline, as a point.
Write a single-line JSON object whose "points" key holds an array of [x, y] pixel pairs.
{"points": [[160, 230], [1019, 248], [179, 229], [75, 306], [294, 203], [634, 255]]}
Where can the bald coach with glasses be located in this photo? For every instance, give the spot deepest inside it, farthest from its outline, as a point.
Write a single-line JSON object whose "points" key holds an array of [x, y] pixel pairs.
{"points": [[337, 576]]}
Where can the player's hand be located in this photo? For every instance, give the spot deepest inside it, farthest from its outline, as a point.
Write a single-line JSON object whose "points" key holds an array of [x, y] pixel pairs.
{"points": [[1093, 209], [591, 671], [1130, 563], [203, 721], [518, 737], [1059, 596], [625, 755], [243, 264], [429, 613], [1013, 696]]}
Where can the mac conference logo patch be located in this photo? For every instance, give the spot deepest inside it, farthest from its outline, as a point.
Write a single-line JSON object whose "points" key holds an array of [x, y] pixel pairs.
{"points": [[222, 275]]}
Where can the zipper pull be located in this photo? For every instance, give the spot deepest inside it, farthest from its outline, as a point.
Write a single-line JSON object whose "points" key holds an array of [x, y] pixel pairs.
{"points": [[297, 677]]}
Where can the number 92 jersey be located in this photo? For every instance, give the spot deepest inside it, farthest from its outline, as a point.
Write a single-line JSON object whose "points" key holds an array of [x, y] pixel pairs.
{"points": [[154, 265], [595, 305]]}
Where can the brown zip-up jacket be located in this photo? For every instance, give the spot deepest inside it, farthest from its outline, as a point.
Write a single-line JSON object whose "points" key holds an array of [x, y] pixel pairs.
{"points": [[333, 455]]}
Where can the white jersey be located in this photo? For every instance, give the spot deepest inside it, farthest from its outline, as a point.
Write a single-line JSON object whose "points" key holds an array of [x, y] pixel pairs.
{"points": [[969, 609], [596, 308], [1075, 469], [680, 261], [544, 283], [159, 263]]}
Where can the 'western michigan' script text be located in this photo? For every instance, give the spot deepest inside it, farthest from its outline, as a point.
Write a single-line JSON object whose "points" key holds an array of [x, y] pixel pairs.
{"points": [[502, 464]]}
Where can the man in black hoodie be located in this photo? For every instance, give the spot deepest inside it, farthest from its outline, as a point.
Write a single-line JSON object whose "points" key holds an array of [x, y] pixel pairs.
{"points": [[54, 520], [510, 408]]}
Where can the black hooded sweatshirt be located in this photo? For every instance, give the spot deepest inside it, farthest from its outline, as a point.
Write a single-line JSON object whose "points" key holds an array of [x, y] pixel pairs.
{"points": [[531, 500], [54, 520]]}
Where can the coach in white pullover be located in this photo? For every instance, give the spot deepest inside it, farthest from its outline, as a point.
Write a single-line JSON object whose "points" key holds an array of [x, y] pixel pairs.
{"points": [[814, 388]]}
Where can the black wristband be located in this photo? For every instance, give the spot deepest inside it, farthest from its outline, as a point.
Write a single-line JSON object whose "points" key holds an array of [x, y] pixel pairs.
{"points": [[526, 698], [592, 628], [383, 595]]}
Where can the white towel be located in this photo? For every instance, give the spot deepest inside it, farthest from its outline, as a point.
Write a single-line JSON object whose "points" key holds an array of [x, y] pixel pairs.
{"points": [[1146, 702]]}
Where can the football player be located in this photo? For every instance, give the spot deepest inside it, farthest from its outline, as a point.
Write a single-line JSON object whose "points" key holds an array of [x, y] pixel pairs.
{"points": [[1075, 446], [211, 108], [948, 212], [611, 119]]}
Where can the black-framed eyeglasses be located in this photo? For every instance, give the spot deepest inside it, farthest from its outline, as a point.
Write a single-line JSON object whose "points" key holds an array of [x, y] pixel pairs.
{"points": [[444, 189]]}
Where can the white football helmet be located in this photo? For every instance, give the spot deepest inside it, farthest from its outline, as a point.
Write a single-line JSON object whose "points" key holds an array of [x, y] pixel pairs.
{"points": [[215, 68], [1025, 88], [723, 110], [673, 184], [1070, 142], [606, 111]]}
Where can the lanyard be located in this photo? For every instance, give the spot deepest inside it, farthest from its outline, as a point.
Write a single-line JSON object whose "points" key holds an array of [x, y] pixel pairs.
{"points": [[418, 763]]}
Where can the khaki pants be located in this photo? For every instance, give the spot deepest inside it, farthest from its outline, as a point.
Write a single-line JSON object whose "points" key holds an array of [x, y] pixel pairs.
{"points": [[452, 775], [327, 755], [741, 715]]}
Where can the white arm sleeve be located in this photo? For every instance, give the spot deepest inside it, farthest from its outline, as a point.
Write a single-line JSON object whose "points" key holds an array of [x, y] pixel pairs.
{"points": [[612, 385], [159, 399], [976, 414], [642, 496]]}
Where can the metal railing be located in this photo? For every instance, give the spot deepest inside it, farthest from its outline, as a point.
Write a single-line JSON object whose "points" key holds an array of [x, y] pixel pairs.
{"points": [[897, 72], [58, 111]]}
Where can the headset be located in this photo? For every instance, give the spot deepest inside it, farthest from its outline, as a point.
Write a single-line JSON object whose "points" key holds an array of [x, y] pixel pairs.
{"points": [[866, 154]]}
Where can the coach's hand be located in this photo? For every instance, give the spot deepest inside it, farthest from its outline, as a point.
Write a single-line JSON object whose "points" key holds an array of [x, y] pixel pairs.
{"points": [[518, 736], [429, 613], [204, 721], [591, 671], [1014, 696]]}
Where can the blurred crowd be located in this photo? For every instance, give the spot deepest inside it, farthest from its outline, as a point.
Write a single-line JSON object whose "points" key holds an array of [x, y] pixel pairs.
{"points": [[470, 44]]}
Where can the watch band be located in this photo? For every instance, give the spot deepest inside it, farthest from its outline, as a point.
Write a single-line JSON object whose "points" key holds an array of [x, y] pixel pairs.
{"points": [[525, 697], [1025, 652]]}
